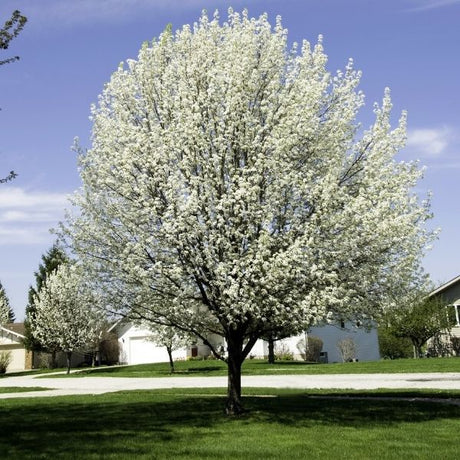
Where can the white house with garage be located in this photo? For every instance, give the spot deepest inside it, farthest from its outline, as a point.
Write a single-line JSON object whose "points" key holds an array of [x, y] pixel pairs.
{"points": [[136, 346]]}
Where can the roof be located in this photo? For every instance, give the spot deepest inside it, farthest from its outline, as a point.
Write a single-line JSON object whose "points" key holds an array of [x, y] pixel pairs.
{"points": [[17, 329], [444, 286]]}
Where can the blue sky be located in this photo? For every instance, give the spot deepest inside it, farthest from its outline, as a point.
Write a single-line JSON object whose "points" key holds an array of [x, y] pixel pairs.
{"points": [[69, 49]]}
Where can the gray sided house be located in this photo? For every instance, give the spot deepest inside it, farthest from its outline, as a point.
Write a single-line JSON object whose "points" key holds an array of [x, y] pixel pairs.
{"points": [[450, 294]]}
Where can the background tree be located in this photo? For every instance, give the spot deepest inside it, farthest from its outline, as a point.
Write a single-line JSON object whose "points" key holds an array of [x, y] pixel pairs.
{"points": [[50, 262], [392, 347], [227, 190], [10, 30], [4, 306], [419, 319], [66, 317], [170, 338], [6, 311]]}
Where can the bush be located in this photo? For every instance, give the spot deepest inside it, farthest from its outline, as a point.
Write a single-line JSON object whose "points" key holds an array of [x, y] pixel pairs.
{"points": [[5, 360], [282, 352], [455, 345], [348, 349], [310, 350], [392, 347]]}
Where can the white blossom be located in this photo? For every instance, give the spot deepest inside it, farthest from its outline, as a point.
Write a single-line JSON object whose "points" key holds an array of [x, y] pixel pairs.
{"points": [[67, 318]]}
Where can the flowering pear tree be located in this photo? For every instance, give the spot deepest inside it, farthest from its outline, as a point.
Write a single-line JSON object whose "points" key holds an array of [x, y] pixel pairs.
{"points": [[230, 190], [170, 338], [66, 317]]}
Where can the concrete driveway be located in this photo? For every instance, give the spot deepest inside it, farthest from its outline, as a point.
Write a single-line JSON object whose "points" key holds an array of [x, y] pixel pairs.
{"points": [[99, 385]]}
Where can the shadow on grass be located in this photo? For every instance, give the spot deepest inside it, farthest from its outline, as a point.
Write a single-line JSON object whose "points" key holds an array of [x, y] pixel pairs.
{"points": [[149, 371], [131, 423]]}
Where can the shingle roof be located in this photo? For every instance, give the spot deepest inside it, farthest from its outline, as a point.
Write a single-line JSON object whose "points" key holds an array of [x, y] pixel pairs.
{"points": [[15, 328], [444, 286]]}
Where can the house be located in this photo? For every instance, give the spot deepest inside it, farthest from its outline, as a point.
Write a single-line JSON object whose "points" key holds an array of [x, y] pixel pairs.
{"points": [[450, 294], [11, 339], [137, 348], [365, 343]]}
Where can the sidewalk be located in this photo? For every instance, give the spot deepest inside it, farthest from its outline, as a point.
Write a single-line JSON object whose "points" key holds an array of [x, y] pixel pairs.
{"points": [[99, 385]]}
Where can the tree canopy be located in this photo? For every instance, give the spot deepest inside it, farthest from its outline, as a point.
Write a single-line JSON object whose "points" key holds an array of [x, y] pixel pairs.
{"points": [[230, 190], [66, 317], [419, 319], [50, 262]]}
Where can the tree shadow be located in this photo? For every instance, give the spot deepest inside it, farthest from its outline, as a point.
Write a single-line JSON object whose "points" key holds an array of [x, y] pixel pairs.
{"points": [[130, 423]]}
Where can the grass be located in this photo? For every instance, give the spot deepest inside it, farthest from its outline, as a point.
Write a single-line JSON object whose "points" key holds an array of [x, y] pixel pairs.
{"points": [[32, 372], [190, 424], [21, 389], [261, 367]]}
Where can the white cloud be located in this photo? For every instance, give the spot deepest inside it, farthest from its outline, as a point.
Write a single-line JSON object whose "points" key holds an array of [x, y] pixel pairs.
{"points": [[429, 141], [26, 216], [423, 5]]}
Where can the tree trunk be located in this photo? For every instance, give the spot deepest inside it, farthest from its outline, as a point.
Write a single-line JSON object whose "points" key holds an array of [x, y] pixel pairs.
{"points": [[271, 350], [417, 350], [69, 360], [171, 361], [234, 361], [53, 359]]}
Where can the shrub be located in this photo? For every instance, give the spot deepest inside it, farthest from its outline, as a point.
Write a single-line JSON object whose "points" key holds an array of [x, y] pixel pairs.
{"points": [[392, 347], [310, 349], [348, 349], [282, 352], [5, 360], [456, 345]]}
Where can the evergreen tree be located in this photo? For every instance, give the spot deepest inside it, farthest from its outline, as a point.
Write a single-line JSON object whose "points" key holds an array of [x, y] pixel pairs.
{"points": [[6, 312], [50, 262]]}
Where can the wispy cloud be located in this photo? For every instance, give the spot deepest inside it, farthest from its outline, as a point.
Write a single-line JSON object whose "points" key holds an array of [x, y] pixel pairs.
{"points": [[422, 5], [26, 216], [429, 142], [65, 13]]}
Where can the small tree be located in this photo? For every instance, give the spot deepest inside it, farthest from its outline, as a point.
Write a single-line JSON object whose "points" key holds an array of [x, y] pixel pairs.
{"points": [[50, 262], [66, 318], [419, 319], [170, 338]]}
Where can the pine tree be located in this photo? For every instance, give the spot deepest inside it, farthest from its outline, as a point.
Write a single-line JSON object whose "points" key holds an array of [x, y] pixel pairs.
{"points": [[6, 312]]}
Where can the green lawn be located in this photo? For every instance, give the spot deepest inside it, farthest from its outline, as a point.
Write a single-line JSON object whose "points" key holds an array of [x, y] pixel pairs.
{"points": [[21, 389], [260, 367], [190, 424]]}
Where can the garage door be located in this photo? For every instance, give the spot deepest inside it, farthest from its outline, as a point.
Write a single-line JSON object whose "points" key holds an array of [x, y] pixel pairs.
{"points": [[144, 351]]}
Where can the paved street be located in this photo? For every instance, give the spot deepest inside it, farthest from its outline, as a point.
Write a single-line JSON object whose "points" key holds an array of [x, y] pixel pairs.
{"points": [[99, 385]]}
